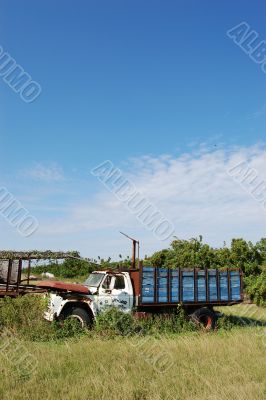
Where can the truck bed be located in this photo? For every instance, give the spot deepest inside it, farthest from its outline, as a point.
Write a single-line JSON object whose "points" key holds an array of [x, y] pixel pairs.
{"points": [[170, 287]]}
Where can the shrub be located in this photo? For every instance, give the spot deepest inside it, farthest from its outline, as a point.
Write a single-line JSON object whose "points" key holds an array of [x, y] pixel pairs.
{"points": [[25, 317], [256, 288], [115, 322], [69, 328]]}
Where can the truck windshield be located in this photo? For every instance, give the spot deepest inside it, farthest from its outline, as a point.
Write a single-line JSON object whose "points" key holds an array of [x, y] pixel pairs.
{"points": [[94, 280]]}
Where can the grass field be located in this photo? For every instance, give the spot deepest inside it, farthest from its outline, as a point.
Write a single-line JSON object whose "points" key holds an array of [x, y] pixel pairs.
{"points": [[221, 365]]}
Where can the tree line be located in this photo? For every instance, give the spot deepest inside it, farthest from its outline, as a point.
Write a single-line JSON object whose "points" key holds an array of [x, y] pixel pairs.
{"points": [[251, 258]]}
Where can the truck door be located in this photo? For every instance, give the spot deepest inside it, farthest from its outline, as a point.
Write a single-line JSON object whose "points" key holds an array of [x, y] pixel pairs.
{"points": [[104, 297], [114, 292], [120, 293]]}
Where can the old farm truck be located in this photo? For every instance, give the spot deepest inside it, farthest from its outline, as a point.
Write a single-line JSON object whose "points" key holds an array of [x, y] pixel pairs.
{"points": [[148, 290], [142, 289]]}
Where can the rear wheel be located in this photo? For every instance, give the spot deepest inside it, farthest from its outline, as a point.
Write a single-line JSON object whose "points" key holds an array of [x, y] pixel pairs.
{"points": [[205, 318], [80, 315]]}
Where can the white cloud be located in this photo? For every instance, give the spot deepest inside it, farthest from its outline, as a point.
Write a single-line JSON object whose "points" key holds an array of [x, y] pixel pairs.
{"points": [[46, 173], [193, 190]]}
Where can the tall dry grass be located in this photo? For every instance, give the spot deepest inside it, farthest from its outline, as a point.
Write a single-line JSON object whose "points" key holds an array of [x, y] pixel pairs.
{"points": [[226, 365]]}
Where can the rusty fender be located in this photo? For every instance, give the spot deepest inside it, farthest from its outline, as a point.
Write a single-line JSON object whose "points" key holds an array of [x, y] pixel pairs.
{"points": [[59, 302]]}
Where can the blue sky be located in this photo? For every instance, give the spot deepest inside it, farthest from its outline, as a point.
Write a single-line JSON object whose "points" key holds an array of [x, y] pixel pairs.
{"points": [[125, 80]]}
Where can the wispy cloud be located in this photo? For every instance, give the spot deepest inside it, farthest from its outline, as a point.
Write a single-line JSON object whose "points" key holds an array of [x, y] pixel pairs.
{"points": [[193, 190], [45, 172]]}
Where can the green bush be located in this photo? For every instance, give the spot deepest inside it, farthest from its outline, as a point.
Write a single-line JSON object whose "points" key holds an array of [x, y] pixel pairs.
{"points": [[175, 322], [115, 322], [69, 328], [25, 317], [256, 288]]}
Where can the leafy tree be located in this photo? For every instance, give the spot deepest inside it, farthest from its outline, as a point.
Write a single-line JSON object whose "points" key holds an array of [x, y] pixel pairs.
{"points": [[261, 248], [69, 268], [194, 253], [160, 258], [256, 288], [246, 256]]}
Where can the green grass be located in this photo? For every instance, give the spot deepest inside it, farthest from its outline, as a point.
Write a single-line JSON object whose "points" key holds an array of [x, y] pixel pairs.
{"points": [[224, 365]]}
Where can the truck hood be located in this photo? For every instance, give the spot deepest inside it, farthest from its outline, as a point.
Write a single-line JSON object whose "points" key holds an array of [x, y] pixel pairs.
{"points": [[65, 287]]}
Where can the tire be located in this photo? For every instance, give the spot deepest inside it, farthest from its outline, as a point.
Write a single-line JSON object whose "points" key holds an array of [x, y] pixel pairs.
{"points": [[80, 314], [204, 318]]}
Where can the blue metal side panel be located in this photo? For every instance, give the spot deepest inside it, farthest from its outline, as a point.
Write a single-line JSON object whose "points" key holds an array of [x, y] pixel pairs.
{"points": [[224, 295], [235, 285], [148, 285], [212, 285], [188, 286], [174, 284], [162, 288], [201, 282]]}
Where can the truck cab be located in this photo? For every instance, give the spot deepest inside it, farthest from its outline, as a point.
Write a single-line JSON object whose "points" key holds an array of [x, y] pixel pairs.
{"points": [[109, 289], [105, 289]]}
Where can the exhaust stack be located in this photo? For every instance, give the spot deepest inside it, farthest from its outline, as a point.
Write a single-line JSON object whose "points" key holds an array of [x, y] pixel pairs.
{"points": [[135, 251]]}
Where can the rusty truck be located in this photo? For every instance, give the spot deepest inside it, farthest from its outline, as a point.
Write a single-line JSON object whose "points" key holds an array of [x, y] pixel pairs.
{"points": [[147, 290], [139, 289]]}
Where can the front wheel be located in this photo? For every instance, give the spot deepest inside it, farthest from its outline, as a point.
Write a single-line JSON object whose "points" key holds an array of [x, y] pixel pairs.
{"points": [[204, 318], [80, 315]]}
